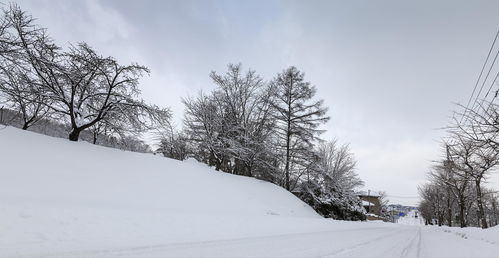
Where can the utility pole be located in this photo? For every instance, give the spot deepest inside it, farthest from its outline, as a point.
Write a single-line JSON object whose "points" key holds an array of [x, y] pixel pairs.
{"points": [[368, 198]]}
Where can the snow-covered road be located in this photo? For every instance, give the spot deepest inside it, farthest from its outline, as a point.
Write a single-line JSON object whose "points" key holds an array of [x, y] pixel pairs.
{"points": [[379, 241]]}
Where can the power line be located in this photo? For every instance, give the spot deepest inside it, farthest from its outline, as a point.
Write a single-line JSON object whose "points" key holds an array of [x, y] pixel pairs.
{"points": [[495, 95], [406, 197], [480, 76], [485, 80], [488, 92], [492, 84]]}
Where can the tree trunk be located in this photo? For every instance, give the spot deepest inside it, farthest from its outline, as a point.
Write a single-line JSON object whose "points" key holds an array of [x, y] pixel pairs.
{"points": [[249, 170], [74, 135], [288, 140], [479, 201], [238, 168], [95, 137], [494, 208], [218, 164], [25, 126], [211, 159], [286, 169], [288, 146], [462, 209], [449, 210]]}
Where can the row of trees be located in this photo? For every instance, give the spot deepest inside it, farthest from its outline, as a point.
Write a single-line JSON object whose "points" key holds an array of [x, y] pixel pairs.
{"points": [[455, 193], [77, 85], [269, 130]]}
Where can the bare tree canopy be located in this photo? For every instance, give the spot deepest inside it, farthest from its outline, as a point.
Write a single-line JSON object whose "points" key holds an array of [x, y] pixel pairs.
{"points": [[471, 155], [77, 85]]}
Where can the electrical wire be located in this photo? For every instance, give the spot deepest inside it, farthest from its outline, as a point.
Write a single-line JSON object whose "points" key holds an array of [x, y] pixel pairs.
{"points": [[480, 76]]}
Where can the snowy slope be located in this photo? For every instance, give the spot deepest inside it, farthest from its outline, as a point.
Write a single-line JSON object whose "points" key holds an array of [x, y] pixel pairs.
{"points": [[56, 171], [53, 189]]}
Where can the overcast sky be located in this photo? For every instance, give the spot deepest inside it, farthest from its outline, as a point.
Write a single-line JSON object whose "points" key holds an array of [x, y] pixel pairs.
{"points": [[390, 71]]}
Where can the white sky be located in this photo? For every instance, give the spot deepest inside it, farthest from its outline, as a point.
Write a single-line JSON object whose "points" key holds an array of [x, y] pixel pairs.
{"points": [[390, 71]]}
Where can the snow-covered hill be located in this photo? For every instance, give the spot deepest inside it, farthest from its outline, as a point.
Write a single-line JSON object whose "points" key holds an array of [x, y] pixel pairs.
{"points": [[51, 170], [62, 193]]}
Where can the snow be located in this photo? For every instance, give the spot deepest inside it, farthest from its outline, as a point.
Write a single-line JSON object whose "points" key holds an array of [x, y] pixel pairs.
{"points": [[65, 199], [490, 235], [366, 203], [412, 218]]}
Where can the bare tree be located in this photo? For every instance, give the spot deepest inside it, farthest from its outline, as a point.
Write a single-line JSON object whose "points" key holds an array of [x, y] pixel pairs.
{"points": [[383, 201], [7, 39], [455, 190], [480, 124], [330, 183], [18, 81], [203, 125], [174, 145], [456, 183], [471, 154], [19, 90], [83, 86], [98, 88], [493, 207], [433, 207], [338, 165], [475, 162], [233, 124], [5, 43], [244, 99]]}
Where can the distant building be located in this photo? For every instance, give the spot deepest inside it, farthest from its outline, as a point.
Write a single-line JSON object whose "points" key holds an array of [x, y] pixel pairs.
{"points": [[372, 204]]}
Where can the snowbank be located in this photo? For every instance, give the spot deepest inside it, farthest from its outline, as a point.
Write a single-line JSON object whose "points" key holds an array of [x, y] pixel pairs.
{"points": [[489, 235]]}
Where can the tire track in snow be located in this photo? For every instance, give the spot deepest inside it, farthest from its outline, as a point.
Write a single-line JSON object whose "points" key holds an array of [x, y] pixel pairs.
{"points": [[216, 245], [396, 244], [347, 252], [415, 243]]}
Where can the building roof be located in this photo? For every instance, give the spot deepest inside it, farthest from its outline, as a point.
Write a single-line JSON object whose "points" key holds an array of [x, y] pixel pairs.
{"points": [[368, 193]]}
